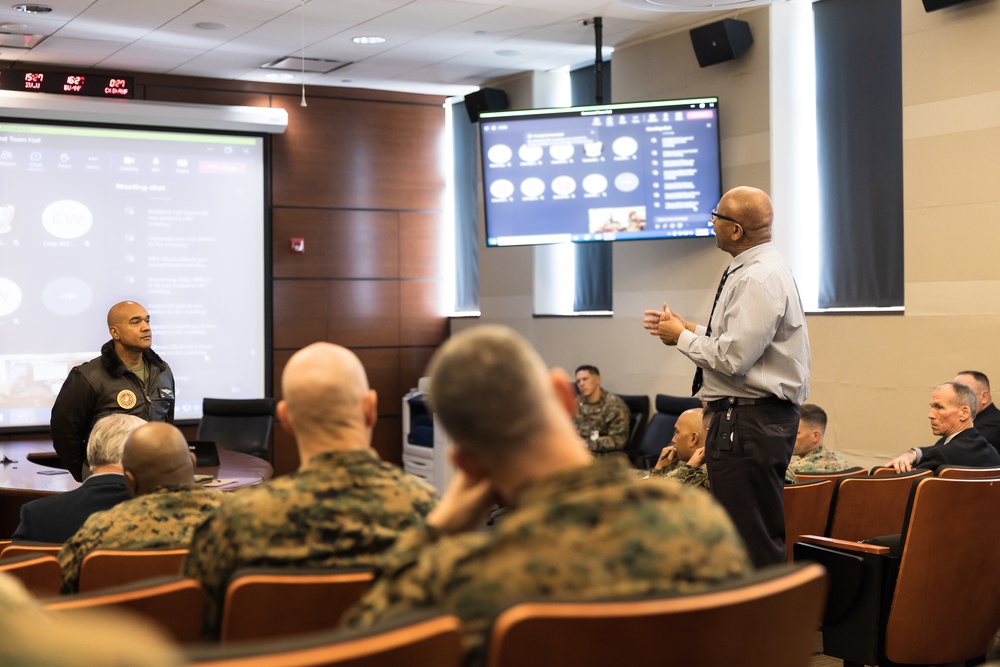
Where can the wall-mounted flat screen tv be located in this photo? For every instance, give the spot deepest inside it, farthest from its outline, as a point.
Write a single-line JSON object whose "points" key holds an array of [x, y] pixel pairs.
{"points": [[610, 172]]}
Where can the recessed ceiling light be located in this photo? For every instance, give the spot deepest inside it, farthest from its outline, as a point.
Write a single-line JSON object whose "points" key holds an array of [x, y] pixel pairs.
{"points": [[32, 9], [279, 76], [209, 25], [368, 40]]}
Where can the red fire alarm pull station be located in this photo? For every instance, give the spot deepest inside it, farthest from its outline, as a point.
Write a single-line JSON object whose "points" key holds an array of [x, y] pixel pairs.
{"points": [[297, 245]]}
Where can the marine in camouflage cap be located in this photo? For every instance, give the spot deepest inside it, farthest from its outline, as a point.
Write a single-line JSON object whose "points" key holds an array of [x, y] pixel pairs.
{"points": [[578, 528], [602, 419], [343, 507], [166, 505]]}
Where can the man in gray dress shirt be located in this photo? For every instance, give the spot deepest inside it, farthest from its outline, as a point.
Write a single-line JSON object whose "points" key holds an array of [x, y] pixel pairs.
{"points": [[752, 369]]}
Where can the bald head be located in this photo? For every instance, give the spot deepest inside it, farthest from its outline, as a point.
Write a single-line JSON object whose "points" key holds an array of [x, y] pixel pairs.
{"points": [[688, 434], [753, 214], [156, 454], [490, 390], [326, 399]]}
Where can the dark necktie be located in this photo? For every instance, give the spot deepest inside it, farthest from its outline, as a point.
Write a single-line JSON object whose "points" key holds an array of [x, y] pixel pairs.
{"points": [[699, 372]]}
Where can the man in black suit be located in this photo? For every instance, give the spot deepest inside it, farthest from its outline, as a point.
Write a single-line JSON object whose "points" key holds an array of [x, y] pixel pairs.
{"points": [[987, 420], [953, 409], [56, 518]]}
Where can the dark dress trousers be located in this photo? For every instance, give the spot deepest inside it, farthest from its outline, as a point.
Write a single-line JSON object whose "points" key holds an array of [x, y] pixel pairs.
{"points": [[988, 424], [57, 518], [968, 448]]}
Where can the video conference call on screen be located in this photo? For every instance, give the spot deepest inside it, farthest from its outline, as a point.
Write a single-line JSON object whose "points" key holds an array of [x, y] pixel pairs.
{"points": [[601, 173], [90, 216]]}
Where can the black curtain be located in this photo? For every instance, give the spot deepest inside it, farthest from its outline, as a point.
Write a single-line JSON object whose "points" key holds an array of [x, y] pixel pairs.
{"points": [[466, 210], [860, 144], [593, 260]]}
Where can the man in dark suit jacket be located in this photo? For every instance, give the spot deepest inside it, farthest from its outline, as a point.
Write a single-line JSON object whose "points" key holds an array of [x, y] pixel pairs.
{"points": [[987, 420], [953, 409], [56, 518]]}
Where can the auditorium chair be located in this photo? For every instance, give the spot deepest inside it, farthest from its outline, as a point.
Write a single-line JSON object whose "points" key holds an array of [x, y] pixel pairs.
{"points": [[273, 602], [40, 574], [174, 603], [807, 509], [104, 568], [849, 472], [869, 506], [638, 407], [934, 599], [417, 639], [765, 620], [240, 425], [966, 472], [15, 549], [660, 429]]}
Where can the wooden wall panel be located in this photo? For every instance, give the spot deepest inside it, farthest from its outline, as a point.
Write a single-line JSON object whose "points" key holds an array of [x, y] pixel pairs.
{"points": [[387, 439], [338, 244], [419, 245], [352, 313], [382, 365], [196, 96], [413, 366], [359, 154], [421, 320]]}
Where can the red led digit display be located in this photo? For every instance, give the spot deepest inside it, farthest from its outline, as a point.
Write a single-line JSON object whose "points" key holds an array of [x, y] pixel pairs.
{"points": [[91, 85]]}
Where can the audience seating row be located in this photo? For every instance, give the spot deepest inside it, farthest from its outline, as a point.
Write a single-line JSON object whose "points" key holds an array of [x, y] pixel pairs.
{"points": [[856, 505], [776, 612], [933, 596]]}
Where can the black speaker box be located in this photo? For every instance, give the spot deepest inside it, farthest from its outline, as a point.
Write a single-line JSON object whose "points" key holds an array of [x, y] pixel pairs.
{"points": [[485, 99], [723, 40], [931, 5]]}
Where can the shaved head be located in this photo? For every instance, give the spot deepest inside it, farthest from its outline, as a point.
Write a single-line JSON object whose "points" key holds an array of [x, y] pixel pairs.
{"points": [[156, 454], [121, 311], [752, 207], [324, 388]]}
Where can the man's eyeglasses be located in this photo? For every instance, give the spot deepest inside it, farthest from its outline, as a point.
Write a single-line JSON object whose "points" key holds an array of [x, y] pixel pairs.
{"points": [[716, 214]]}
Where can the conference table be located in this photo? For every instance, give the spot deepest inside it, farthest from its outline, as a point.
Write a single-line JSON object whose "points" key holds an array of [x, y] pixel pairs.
{"points": [[31, 469]]}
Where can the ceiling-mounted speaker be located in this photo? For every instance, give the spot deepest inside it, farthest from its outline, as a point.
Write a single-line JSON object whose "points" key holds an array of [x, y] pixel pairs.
{"points": [[485, 99], [723, 40], [931, 5]]}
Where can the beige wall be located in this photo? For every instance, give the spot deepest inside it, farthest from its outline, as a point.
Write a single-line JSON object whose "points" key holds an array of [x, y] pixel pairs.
{"points": [[872, 373]]}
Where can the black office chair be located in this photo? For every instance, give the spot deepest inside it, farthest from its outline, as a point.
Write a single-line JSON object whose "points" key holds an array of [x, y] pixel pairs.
{"points": [[638, 407], [660, 429], [241, 425]]}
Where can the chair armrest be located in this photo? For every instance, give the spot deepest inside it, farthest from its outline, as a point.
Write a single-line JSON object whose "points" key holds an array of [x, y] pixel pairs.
{"points": [[846, 545]]}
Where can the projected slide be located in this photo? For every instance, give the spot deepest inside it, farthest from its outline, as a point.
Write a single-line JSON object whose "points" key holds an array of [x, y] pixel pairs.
{"points": [[93, 216]]}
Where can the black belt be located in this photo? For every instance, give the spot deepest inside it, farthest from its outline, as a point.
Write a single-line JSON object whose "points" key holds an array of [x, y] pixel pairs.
{"points": [[721, 404]]}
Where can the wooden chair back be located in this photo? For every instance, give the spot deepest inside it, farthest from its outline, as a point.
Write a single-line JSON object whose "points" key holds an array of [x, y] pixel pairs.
{"points": [[175, 604], [870, 506], [849, 472], [16, 549], [40, 574], [105, 568], [946, 607], [807, 510], [411, 640], [769, 619], [966, 472], [265, 603]]}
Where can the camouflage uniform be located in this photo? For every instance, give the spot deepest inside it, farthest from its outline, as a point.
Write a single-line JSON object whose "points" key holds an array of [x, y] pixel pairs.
{"points": [[685, 474], [609, 416], [342, 509], [166, 517], [586, 533], [819, 460]]}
